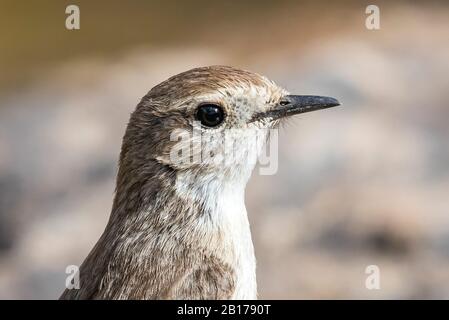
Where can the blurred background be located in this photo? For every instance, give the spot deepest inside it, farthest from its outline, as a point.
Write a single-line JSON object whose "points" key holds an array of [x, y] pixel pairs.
{"points": [[363, 184]]}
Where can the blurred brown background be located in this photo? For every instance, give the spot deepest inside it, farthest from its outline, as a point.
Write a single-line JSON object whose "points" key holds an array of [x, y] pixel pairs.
{"points": [[367, 183]]}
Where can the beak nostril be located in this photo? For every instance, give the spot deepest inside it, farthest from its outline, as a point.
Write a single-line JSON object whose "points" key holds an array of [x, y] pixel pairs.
{"points": [[294, 104]]}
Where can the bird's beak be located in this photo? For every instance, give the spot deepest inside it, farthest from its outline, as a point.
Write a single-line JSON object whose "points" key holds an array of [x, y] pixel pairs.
{"points": [[292, 104]]}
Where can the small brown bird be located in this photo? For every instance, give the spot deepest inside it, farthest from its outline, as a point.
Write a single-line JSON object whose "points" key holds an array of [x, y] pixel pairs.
{"points": [[179, 228]]}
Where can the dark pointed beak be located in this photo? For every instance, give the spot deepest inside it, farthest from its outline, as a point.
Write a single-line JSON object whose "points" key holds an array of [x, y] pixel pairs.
{"points": [[292, 104]]}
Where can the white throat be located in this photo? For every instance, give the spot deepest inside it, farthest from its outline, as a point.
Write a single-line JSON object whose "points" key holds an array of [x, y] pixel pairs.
{"points": [[225, 201]]}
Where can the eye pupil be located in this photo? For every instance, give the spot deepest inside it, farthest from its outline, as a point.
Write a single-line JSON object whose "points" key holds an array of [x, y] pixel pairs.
{"points": [[210, 115]]}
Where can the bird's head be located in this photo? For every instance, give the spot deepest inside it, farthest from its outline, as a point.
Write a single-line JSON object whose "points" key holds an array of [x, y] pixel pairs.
{"points": [[212, 120]]}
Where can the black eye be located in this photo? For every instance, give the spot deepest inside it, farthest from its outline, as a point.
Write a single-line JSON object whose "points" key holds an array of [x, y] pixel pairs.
{"points": [[210, 115]]}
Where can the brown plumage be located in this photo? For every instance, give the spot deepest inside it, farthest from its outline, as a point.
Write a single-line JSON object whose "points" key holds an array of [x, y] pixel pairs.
{"points": [[177, 230]]}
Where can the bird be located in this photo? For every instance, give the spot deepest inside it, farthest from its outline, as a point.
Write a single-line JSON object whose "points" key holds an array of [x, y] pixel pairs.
{"points": [[179, 229]]}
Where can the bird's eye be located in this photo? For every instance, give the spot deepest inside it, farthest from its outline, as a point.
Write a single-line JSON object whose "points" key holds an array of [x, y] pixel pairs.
{"points": [[210, 115]]}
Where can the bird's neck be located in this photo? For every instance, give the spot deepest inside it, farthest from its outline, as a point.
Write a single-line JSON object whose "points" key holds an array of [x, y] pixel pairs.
{"points": [[184, 212], [225, 222]]}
